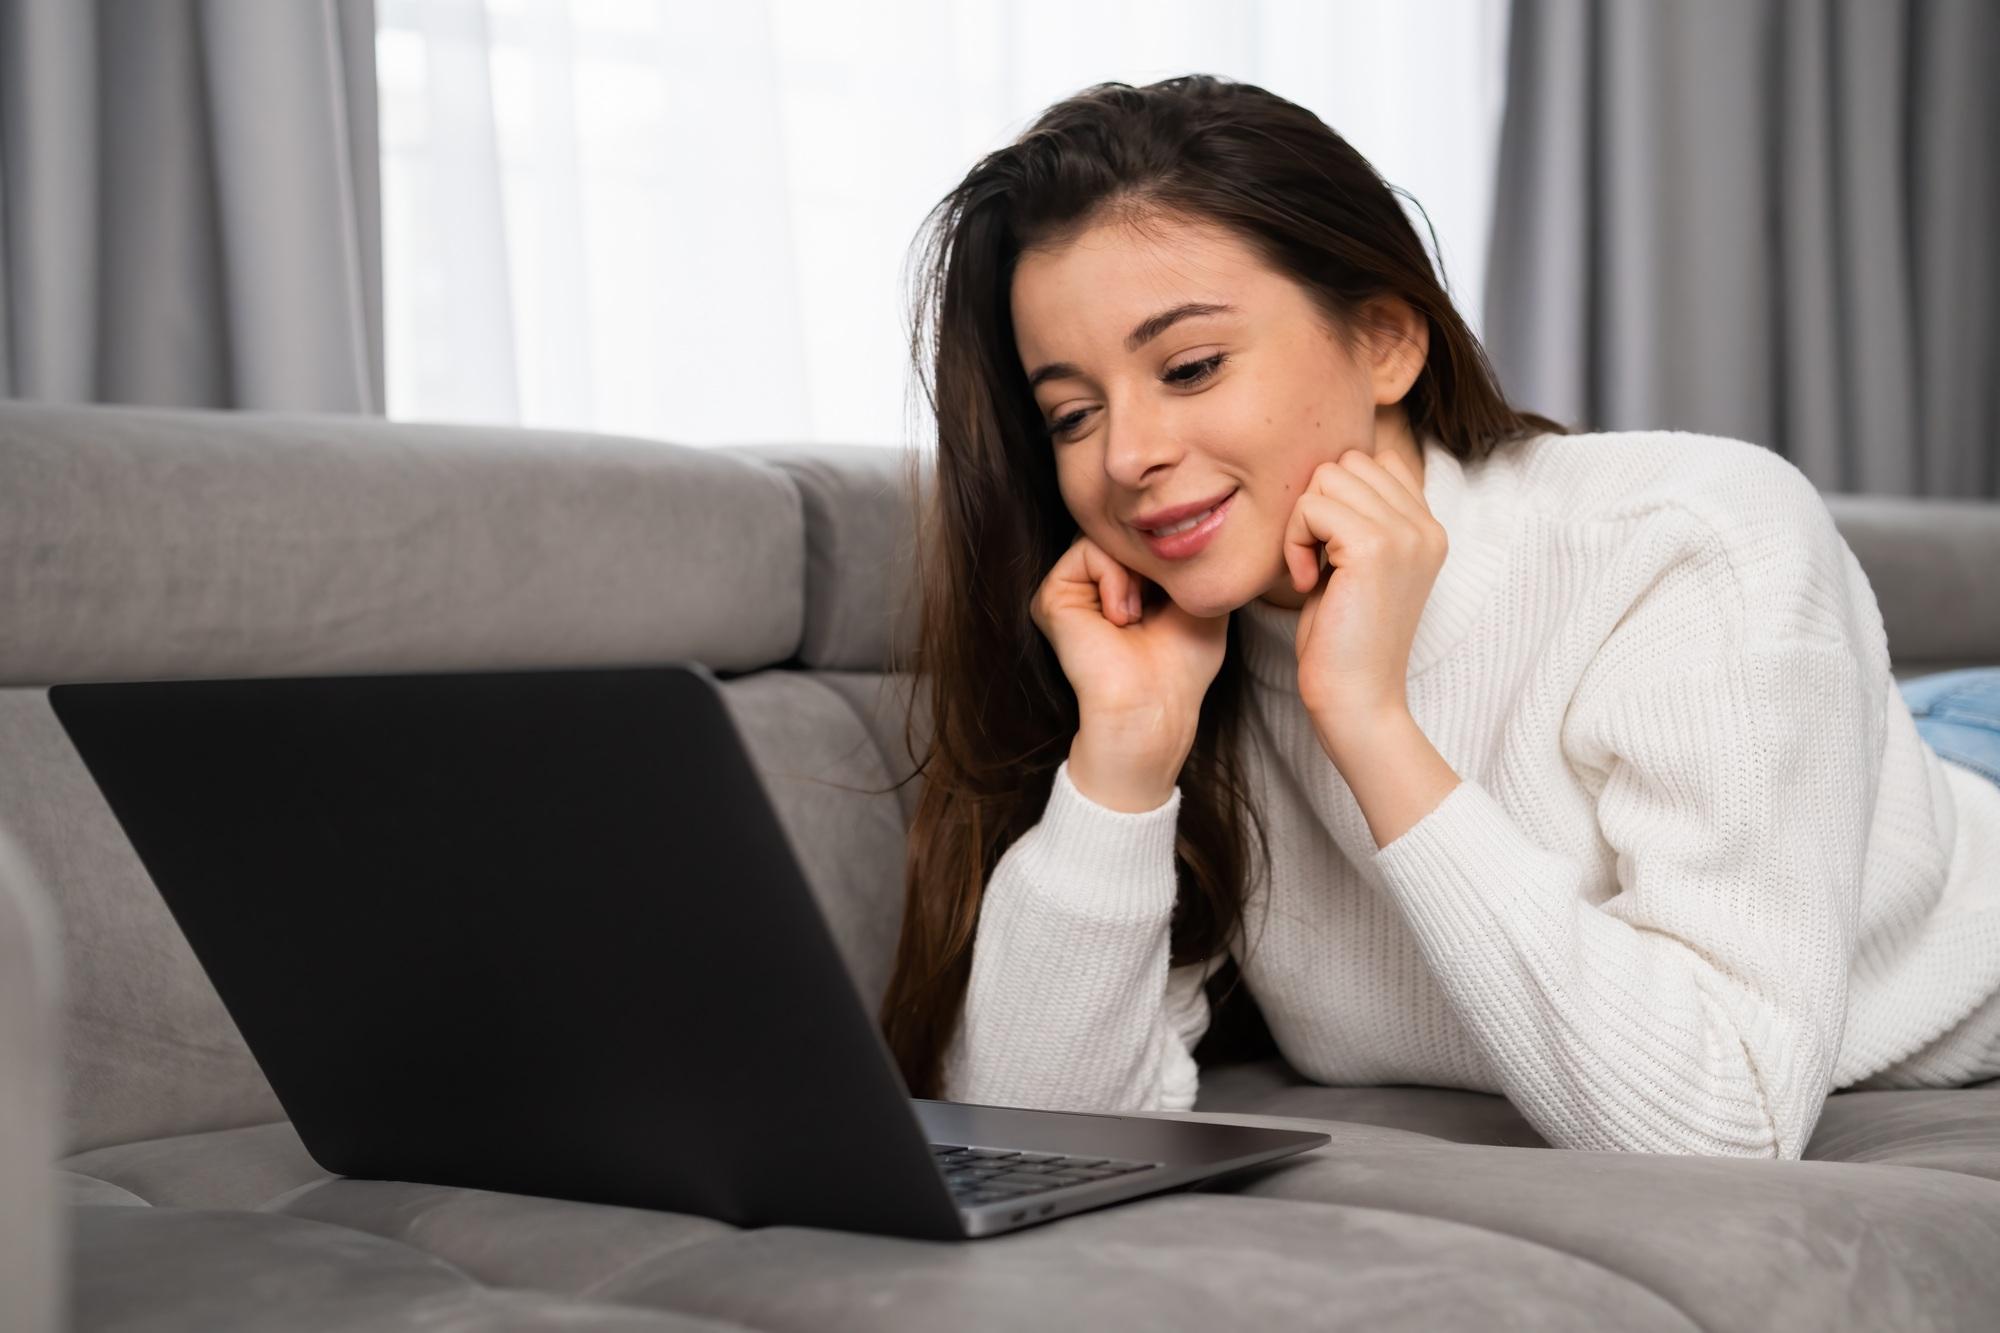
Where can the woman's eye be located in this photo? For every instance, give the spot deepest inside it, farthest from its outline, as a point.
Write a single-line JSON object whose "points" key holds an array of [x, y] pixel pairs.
{"points": [[1203, 369], [1063, 425], [1178, 376]]}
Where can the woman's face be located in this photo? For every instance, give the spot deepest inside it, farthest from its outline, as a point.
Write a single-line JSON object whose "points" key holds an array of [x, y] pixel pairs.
{"points": [[1147, 420]]}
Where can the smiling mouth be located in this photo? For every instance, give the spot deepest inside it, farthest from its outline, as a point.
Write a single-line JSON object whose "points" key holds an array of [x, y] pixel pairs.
{"points": [[1192, 535], [1185, 524]]}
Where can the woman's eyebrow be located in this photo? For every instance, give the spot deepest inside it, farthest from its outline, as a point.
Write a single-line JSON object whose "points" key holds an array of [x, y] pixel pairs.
{"points": [[1148, 329]]}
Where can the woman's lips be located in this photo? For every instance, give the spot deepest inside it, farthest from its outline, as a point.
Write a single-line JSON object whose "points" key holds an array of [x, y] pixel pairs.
{"points": [[1181, 545]]}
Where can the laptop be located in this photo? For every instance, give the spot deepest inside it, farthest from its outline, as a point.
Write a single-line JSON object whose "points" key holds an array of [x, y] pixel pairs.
{"points": [[542, 932]]}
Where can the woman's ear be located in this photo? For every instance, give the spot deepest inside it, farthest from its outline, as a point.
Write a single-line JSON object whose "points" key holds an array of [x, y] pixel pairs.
{"points": [[1398, 343]]}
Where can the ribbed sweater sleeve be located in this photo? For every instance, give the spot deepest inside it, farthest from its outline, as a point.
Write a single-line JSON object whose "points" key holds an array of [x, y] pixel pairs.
{"points": [[1071, 1003], [1733, 741]]}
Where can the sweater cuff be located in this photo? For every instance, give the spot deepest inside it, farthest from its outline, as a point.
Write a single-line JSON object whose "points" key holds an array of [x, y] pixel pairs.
{"points": [[1105, 862], [1467, 877]]}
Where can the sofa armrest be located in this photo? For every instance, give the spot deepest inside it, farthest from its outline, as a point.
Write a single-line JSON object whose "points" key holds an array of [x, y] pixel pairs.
{"points": [[1930, 562], [32, 1236]]}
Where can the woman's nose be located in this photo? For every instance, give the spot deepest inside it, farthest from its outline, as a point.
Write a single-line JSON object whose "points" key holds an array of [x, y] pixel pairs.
{"points": [[1136, 444]]}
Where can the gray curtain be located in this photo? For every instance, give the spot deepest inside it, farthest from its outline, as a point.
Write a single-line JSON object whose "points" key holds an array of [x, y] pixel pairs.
{"points": [[190, 203], [1770, 219]]}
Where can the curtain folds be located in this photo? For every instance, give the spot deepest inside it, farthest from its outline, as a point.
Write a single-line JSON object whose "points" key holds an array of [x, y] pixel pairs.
{"points": [[190, 203], [1771, 220]]}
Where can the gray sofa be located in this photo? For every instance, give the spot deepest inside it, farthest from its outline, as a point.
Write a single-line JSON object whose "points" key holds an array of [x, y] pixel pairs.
{"points": [[149, 1178]]}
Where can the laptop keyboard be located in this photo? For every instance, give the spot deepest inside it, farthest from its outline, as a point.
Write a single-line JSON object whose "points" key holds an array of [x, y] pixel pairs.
{"points": [[988, 1175]]}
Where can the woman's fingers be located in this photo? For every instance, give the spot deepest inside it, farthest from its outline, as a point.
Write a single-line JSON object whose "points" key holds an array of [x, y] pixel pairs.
{"points": [[1358, 481], [1353, 505], [1318, 522], [1389, 477], [1117, 588]]}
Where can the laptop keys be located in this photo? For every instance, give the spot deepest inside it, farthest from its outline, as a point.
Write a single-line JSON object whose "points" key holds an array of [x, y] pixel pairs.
{"points": [[987, 1175]]}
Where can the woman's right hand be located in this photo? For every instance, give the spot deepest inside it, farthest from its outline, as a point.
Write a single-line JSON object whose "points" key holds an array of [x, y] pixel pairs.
{"points": [[1139, 674]]}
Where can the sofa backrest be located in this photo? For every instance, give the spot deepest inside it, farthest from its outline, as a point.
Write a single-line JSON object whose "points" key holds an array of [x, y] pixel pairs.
{"points": [[163, 543]]}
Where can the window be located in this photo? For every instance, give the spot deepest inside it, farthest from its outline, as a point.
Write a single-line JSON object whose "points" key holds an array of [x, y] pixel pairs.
{"points": [[690, 221]]}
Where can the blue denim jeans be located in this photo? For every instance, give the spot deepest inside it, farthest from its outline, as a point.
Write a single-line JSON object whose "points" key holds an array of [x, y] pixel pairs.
{"points": [[1958, 714]]}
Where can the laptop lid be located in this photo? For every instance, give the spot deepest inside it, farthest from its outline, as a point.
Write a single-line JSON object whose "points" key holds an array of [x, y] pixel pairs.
{"points": [[533, 931]]}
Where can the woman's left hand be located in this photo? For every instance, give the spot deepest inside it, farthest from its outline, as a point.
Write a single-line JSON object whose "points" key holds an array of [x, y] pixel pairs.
{"points": [[1385, 549]]}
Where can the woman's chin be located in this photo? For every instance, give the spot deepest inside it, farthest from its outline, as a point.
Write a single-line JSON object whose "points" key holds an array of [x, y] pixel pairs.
{"points": [[1208, 599]]}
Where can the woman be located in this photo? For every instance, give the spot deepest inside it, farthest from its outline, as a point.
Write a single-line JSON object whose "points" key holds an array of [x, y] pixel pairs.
{"points": [[1576, 765]]}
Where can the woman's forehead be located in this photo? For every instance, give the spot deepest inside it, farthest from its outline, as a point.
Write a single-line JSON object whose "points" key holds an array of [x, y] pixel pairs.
{"points": [[1095, 291], [1160, 251]]}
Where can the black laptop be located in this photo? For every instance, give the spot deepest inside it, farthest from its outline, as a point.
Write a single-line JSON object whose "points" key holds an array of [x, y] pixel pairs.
{"points": [[542, 932]]}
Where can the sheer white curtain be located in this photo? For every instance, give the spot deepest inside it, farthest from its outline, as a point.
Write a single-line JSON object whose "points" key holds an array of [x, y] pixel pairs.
{"points": [[690, 221]]}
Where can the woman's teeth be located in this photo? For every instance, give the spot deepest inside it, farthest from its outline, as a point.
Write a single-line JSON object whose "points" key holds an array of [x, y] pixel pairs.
{"points": [[1184, 524]]}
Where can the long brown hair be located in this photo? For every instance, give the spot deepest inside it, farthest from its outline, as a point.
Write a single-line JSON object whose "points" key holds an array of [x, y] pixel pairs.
{"points": [[991, 521]]}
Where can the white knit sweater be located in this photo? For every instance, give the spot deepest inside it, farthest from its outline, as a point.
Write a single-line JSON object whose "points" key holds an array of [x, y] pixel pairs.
{"points": [[1700, 869]]}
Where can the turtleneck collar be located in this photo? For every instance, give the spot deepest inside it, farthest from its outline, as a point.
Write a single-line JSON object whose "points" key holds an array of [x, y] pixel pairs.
{"points": [[1475, 503]]}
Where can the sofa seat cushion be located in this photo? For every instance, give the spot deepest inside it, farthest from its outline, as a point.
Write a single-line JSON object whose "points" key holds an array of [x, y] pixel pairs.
{"points": [[223, 1168], [1736, 1244], [1408, 1218], [1947, 1129], [515, 1240], [204, 1270], [1186, 1260], [79, 1188], [1183, 1260], [1177, 1261]]}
